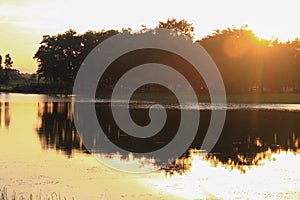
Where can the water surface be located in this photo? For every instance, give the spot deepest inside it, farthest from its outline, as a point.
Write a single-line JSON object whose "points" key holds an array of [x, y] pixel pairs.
{"points": [[41, 150]]}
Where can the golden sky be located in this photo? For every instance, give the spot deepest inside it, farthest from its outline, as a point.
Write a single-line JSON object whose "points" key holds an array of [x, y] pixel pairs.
{"points": [[22, 23]]}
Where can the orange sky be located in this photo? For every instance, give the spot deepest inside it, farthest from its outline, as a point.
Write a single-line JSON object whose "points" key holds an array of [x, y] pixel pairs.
{"points": [[22, 23]]}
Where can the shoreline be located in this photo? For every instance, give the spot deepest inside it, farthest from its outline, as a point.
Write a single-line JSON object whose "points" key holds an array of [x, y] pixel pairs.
{"points": [[251, 98]]}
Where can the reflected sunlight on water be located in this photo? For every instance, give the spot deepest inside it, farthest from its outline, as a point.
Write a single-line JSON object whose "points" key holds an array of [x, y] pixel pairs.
{"points": [[275, 175]]}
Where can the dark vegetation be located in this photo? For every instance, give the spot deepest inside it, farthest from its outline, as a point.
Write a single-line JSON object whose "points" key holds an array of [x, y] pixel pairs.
{"points": [[12, 79], [247, 63]]}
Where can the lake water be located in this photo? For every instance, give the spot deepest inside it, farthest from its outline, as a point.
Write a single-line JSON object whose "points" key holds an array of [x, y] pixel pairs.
{"points": [[256, 156]]}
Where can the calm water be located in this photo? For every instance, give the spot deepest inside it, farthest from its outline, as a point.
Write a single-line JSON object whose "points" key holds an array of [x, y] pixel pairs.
{"points": [[249, 128], [40, 129]]}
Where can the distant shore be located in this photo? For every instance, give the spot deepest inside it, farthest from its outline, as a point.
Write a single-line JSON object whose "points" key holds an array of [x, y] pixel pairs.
{"points": [[255, 98], [231, 98], [28, 90]]}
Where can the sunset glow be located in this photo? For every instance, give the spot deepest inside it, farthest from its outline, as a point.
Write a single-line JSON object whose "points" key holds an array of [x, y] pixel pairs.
{"points": [[24, 22]]}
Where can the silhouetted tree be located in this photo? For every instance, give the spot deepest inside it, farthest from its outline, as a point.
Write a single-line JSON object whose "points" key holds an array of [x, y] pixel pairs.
{"points": [[1, 72], [181, 26], [8, 62], [246, 61], [1, 62], [33, 77], [60, 56], [57, 55]]}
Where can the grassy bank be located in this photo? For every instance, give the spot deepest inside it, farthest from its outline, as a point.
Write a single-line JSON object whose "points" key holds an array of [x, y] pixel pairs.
{"points": [[4, 196]]}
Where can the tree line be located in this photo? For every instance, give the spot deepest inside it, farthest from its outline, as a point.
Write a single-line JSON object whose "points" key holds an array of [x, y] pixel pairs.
{"points": [[10, 77], [245, 61]]}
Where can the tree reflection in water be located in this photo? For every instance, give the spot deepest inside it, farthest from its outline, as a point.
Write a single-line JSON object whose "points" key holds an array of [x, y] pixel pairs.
{"points": [[57, 130], [246, 132], [5, 109]]}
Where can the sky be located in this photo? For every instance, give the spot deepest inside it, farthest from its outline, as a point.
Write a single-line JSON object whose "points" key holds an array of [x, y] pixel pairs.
{"points": [[23, 23]]}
